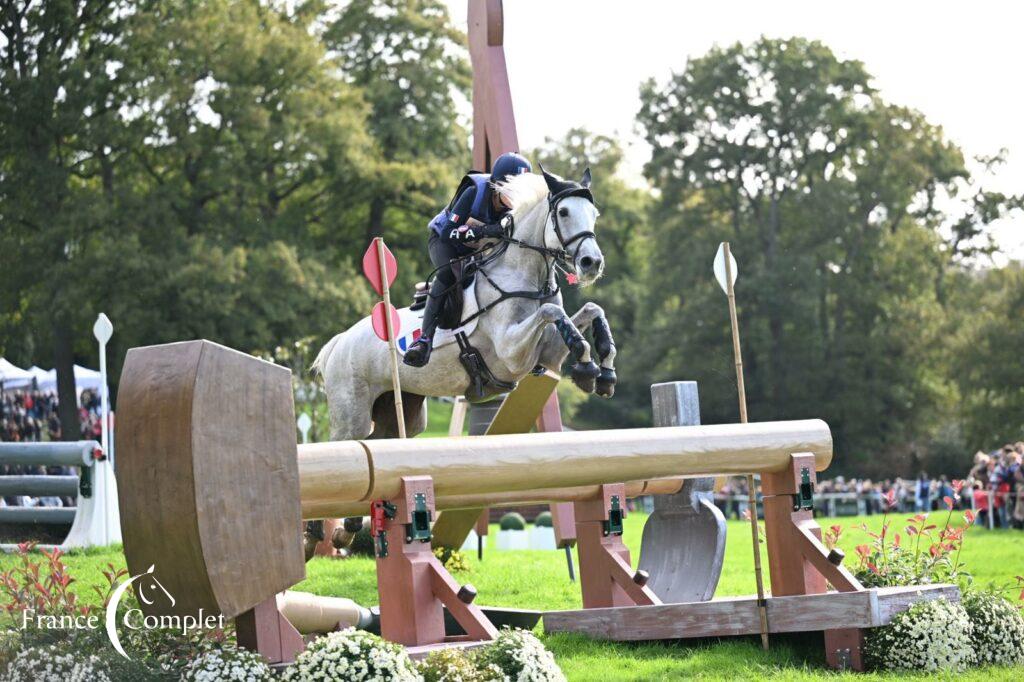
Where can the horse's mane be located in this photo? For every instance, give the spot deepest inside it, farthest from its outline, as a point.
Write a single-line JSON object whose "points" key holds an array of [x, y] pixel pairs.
{"points": [[524, 192]]}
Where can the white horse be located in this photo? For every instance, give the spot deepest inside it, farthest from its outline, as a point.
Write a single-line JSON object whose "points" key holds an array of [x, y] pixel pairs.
{"points": [[521, 323]]}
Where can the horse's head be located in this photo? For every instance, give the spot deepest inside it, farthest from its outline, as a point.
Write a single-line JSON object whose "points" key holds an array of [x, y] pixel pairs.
{"points": [[570, 225]]}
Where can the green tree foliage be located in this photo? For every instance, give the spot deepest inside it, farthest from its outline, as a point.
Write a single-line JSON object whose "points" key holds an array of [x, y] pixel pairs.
{"points": [[410, 63], [987, 358], [828, 195], [207, 169]]}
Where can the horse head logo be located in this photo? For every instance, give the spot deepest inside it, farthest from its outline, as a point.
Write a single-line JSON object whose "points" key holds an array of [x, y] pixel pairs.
{"points": [[148, 591]]}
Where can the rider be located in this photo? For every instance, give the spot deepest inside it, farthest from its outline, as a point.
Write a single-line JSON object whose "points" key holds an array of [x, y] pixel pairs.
{"points": [[451, 237]]}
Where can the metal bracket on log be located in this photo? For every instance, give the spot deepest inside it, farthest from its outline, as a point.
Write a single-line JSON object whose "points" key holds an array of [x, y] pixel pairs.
{"points": [[414, 586], [606, 575]]}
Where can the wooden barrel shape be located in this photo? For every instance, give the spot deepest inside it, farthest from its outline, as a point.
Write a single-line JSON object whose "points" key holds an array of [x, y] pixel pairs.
{"points": [[208, 478]]}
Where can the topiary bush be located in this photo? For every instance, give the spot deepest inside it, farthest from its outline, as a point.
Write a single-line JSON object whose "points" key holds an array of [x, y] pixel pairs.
{"points": [[543, 520], [513, 521], [352, 654], [932, 635], [997, 629]]}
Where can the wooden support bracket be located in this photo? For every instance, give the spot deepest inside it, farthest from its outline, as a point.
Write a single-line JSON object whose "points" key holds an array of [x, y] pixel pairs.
{"points": [[606, 576], [799, 562], [412, 584], [264, 630]]}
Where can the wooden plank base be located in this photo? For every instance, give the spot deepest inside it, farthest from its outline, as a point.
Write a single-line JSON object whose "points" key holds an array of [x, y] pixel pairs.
{"points": [[732, 616], [418, 653]]}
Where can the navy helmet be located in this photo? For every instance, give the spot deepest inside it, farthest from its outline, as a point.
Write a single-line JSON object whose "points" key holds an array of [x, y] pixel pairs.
{"points": [[509, 163]]}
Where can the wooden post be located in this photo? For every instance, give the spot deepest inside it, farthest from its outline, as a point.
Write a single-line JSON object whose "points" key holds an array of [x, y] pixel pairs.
{"points": [[396, 381], [751, 491], [494, 123]]}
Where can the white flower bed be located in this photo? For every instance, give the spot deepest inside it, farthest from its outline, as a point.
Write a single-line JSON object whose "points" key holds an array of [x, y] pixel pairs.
{"points": [[237, 665], [998, 629], [932, 635], [353, 656], [54, 664], [521, 657]]}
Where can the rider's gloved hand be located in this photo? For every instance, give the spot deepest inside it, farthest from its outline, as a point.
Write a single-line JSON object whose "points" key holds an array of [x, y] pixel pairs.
{"points": [[491, 231]]}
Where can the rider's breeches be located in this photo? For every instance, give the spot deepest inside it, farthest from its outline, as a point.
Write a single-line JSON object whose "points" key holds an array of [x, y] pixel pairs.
{"points": [[441, 254]]}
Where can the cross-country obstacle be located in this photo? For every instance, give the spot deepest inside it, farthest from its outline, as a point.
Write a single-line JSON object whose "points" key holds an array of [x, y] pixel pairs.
{"points": [[214, 489], [94, 519]]}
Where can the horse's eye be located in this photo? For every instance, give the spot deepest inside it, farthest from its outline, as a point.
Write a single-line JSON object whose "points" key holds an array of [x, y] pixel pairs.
{"points": [[564, 212]]}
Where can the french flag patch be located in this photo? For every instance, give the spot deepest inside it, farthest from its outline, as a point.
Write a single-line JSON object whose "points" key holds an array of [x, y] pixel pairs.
{"points": [[404, 342]]}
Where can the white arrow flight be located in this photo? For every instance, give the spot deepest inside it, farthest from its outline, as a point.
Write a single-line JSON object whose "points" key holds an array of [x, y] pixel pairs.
{"points": [[720, 268]]}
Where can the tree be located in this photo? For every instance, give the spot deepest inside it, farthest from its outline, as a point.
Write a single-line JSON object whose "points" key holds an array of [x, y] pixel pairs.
{"points": [[987, 365], [828, 194], [60, 145], [411, 65]]}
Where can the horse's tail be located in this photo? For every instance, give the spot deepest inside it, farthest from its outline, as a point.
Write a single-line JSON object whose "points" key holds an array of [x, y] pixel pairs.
{"points": [[320, 363]]}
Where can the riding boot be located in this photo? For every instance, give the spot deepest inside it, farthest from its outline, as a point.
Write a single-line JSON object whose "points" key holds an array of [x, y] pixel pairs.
{"points": [[418, 354]]}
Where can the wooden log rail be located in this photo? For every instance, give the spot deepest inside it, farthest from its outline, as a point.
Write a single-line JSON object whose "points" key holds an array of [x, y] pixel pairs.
{"points": [[339, 479]]}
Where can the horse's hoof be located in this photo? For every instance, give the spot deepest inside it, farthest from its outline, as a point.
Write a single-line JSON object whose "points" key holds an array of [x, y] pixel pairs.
{"points": [[584, 375], [309, 546], [605, 385]]}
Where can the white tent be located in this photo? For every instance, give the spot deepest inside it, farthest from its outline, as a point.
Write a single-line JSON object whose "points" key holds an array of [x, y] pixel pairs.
{"points": [[12, 376], [84, 378]]}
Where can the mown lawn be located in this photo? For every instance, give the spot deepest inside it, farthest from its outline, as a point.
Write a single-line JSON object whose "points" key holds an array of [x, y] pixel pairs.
{"points": [[538, 579]]}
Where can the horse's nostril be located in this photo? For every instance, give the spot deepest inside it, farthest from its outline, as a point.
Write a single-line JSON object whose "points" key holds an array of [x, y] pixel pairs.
{"points": [[586, 262]]}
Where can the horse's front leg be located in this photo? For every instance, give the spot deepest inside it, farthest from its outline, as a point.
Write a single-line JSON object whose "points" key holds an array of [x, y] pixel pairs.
{"points": [[517, 345], [592, 315]]}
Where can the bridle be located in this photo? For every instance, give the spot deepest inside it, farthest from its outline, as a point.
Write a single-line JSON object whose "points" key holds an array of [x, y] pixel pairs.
{"points": [[551, 256]]}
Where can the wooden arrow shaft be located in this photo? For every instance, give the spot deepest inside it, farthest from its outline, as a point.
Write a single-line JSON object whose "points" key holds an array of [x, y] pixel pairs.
{"points": [[396, 381], [751, 491]]}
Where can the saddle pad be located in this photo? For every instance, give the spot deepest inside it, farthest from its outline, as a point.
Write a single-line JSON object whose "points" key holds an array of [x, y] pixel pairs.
{"points": [[412, 321]]}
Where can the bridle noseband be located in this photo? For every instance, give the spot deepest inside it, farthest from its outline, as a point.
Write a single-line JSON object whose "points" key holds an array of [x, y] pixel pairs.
{"points": [[553, 201]]}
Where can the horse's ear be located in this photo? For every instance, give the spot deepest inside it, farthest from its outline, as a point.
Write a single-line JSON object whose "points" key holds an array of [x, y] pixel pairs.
{"points": [[553, 182], [586, 180]]}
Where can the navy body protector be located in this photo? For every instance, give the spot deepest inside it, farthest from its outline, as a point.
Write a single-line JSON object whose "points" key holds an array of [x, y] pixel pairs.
{"points": [[480, 210]]}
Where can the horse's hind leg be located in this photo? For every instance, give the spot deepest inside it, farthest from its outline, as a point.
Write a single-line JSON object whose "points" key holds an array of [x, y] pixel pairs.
{"points": [[385, 418]]}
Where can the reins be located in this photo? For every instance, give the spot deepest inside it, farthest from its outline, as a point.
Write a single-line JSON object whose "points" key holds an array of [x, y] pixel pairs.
{"points": [[552, 257]]}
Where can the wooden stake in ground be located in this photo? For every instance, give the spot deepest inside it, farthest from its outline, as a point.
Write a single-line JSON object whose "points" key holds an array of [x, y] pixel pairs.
{"points": [[725, 273], [381, 268]]}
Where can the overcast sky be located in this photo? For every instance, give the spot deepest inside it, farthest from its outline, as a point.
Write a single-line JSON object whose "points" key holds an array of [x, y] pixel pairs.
{"points": [[581, 62]]}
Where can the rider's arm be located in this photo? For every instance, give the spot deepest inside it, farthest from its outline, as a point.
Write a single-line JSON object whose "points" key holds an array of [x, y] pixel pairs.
{"points": [[460, 228]]}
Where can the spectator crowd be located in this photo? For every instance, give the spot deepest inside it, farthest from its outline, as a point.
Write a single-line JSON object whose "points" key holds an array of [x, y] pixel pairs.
{"points": [[31, 416], [993, 488]]}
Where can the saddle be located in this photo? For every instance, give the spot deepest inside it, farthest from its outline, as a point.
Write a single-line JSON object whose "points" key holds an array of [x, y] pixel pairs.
{"points": [[483, 385]]}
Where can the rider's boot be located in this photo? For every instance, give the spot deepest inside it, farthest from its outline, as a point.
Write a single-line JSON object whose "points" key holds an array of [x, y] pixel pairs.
{"points": [[418, 354]]}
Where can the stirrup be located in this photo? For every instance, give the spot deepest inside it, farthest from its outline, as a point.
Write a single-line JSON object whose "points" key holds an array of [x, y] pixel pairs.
{"points": [[411, 356]]}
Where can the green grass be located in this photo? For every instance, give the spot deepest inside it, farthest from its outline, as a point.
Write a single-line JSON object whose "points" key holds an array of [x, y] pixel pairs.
{"points": [[539, 580]]}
